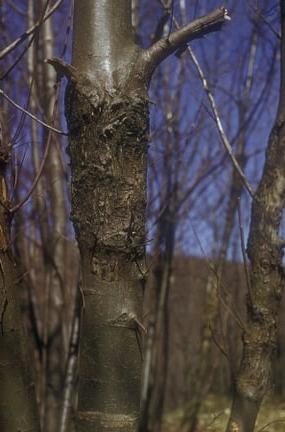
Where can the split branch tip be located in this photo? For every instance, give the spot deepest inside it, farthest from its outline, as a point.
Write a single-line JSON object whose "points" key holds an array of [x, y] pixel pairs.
{"points": [[198, 28], [226, 15]]}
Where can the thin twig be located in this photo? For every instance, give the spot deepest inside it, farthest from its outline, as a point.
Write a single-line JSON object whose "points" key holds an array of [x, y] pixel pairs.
{"points": [[23, 116], [217, 119], [51, 128], [281, 420], [16, 8], [260, 15], [41, 167], [35, 182], [171, 18], [31, 30], [233, 313], [217, 343], [216, 416], [31, 41], [219, 124]]}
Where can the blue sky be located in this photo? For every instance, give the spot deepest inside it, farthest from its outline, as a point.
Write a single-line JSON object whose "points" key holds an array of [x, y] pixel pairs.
{"points": [[181, 119]]}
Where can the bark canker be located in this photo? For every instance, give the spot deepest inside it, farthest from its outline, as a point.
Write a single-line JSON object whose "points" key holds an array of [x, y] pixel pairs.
{"points": [[107, 115], [108, 146]]}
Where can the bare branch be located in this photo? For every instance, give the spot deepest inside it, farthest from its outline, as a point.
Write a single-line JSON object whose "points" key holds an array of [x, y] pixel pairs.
{"points": [[204, 25], [211, 267], [30, 31], [219, 124], [31, 115], [160, 50], [260, 16], [36, 180], [16, 8], [63, 69], [16, 207], [217, 343], [280, 420]]}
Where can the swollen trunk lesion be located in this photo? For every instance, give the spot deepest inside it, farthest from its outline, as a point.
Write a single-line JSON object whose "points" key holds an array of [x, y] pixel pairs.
{"points": [[108, 159], [107, 116]]}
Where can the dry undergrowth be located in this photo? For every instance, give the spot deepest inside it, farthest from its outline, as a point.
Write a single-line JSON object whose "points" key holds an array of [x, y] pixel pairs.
{"points": [[216, 410]]}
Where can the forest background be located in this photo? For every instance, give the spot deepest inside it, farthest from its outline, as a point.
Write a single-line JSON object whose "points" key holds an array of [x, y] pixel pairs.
{"points": [[221, 92]]}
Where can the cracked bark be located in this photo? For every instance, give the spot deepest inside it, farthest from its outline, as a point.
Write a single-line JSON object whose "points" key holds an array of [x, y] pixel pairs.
{"points": [[267, 274], [107, 116]]}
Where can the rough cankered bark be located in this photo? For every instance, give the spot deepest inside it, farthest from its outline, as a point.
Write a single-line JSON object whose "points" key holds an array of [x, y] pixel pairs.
{"points": [[267, 274], [107, 115], [108, 196]]}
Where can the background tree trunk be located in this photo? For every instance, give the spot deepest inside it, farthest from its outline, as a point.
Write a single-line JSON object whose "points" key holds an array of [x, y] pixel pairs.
{"points": [[267, 274], [55, 250], [18, 408]]}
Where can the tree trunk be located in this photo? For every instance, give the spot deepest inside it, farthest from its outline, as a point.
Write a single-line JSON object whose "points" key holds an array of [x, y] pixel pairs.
{"points": [[107, 116], [108, 126], [55, 255], [267, 274], [18, 408]]}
